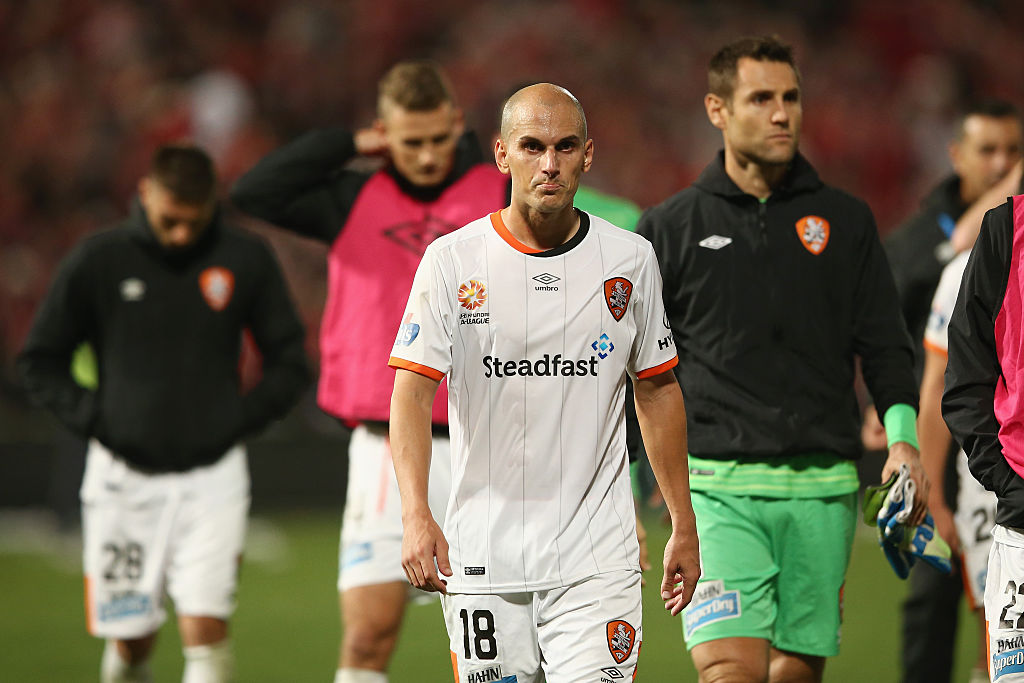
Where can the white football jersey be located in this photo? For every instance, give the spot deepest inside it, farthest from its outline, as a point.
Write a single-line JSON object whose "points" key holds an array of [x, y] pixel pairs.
{"points": [[536, 347], [936, 332]]}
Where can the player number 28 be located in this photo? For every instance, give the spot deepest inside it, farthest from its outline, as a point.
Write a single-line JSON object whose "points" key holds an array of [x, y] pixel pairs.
{"points": [[483, 629], [125, 561]]}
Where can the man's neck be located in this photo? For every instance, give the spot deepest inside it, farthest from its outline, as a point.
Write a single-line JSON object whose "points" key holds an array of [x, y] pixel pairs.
{"points": [[538, 230], [759, 180]]}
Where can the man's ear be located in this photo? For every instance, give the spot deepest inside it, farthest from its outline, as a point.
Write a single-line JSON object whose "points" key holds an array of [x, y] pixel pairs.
{"points": [[715, 106], [459, 126], [501, 155], [588, 155]]}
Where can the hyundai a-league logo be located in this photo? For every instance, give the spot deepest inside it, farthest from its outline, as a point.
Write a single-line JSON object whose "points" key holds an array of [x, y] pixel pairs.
{"points": [[472, 294], [603, 346]]}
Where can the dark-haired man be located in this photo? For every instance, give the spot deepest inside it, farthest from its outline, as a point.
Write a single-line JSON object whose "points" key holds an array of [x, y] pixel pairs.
{"points": [[774, 281], [377, 226], [163, 299], [985, 150]]}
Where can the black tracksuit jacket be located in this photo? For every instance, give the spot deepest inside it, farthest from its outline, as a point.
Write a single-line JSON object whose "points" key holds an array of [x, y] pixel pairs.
{"points": [[169, 395], [768, 331]]}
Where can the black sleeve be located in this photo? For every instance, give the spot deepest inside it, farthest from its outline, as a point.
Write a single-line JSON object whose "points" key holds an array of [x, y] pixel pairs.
{"points": [[972, 370], [880, 334], [302, 186], [62, 321], [279, 335]]}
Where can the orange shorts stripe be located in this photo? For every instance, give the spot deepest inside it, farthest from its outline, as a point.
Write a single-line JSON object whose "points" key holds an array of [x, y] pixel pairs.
{"points": [[455, 665], [88, 605]]}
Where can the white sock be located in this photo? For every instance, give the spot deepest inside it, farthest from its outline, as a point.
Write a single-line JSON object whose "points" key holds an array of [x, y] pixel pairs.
{"points": [[209, 663], [113, 669], [360, 676]]}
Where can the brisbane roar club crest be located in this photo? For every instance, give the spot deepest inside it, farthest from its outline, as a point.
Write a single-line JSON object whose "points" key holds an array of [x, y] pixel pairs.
{"points": [[217, 285], [616, 295], [472, 294], [813, 232], [621, 638]]}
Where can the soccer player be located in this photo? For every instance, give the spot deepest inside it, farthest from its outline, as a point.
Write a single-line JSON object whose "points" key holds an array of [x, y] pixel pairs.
{"points": [[982, 407], [164, 298], [774, 281], [986, 148], [377, 226], [535, 314]]}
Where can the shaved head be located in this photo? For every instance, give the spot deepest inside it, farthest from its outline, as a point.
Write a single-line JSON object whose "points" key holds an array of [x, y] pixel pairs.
{"points": [[526, 102]]}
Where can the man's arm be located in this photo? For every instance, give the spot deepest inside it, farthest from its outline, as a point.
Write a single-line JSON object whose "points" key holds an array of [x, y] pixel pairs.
{"points": [[422, 538], [61, 323], [966, 231], [973, 369], [301, 186], [279, 335], [935, 441], [662, 417]]}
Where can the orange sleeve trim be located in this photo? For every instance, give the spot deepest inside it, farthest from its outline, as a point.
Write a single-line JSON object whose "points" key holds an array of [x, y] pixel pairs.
{"points": [[424, 370], [658, 369], [506, 234], [932, 346]]}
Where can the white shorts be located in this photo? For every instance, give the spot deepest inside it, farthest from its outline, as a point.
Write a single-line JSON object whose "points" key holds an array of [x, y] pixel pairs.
{"points": [[589, 631], [371, 526], [975, 515], [146, 534], [1004, 605]]}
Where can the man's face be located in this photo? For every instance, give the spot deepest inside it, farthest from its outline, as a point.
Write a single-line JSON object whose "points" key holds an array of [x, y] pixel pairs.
{"points": [[176, 224], [761, 122], [421, 143], [987, 149], [545, 153]]}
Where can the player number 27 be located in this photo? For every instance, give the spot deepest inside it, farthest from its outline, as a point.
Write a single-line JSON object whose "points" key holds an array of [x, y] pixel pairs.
{"points": [[1013, 589], [484, 642]]}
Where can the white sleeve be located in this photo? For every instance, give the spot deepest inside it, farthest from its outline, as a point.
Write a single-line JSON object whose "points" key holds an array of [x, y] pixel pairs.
{"points": [[424, 342], [654, 349], [936, 331]]}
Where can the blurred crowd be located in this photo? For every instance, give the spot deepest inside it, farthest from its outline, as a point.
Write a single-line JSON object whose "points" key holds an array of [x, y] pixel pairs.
{"points": [[88, 88]]}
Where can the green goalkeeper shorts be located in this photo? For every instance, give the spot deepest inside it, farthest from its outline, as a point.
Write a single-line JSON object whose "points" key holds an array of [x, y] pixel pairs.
{"points": [[772, 568]]}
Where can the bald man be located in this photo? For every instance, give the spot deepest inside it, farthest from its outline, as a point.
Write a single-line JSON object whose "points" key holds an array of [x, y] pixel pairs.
{"points": [[535, 314]]}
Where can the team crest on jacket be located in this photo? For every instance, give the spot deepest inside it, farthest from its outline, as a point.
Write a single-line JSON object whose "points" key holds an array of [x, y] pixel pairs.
{"points": [[616, 294], [813, 232], [217, 285], [472, 294], [621, 637]]}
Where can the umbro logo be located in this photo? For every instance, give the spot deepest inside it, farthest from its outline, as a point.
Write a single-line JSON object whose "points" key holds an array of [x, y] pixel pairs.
{"points": [[715, 242], [547, 282], [133, 289]]}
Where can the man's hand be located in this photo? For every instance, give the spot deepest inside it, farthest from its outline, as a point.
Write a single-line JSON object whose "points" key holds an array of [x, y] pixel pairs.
{"points": [[682, 566], [370, 142], [422, 542], [903, 453]]}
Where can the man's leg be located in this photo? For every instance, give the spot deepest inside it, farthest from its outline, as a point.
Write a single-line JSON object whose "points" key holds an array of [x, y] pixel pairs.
{"points": [[732, 660], [372, 617], [793, 667], [202, 574], [127, 661], [372, 586], [494, 637], [591, 630]]}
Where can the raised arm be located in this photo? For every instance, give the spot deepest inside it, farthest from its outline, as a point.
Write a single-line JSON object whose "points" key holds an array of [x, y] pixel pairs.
{"points": [[302, 186], [662, 417], [966, 231]]}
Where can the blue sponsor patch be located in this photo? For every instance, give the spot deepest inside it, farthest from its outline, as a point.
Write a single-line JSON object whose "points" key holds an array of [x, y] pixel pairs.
{"points": [[1011, 662], [124, 605], [407, 334], [726, 605], [603, 346], [356, 554]]}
